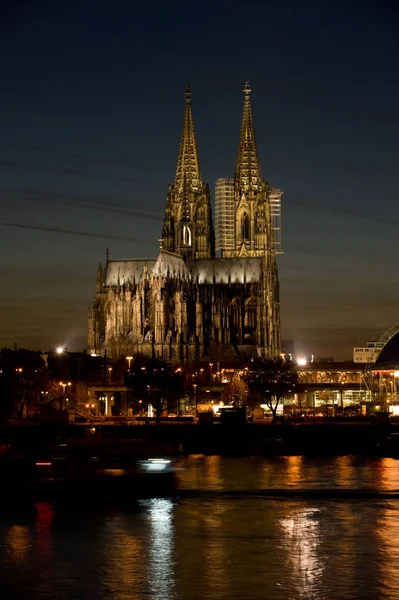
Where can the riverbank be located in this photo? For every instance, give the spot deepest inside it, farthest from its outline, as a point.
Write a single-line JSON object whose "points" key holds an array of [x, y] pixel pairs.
{"points": [[333, 438]]}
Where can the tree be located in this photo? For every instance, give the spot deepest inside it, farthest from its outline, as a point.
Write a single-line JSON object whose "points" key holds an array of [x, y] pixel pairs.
{"points": [[237, 391], [253, 400], [51, 398], [21, 375], [274, 379]]}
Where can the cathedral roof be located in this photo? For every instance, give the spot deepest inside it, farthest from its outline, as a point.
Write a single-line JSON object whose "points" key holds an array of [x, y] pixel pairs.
{"points": [[171, 265], [227, 270], [127, 271]]}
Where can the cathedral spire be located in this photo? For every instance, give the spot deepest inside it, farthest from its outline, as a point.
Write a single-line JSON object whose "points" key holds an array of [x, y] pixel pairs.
{"points": [[187, 227], [247, 172], [187, 160]]}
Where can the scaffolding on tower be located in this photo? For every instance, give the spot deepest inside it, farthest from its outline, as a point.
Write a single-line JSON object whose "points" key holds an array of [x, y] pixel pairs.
{"points": [[275, 217]]}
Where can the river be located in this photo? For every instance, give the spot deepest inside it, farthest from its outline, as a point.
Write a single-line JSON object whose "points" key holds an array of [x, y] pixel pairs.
{"points": [[222, 540]]}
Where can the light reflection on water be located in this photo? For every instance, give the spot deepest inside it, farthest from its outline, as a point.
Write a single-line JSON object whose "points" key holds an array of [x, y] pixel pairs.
{"points": [[300, 540], [388, 536], [214, 546], [215, 555], [17, 543], [120, 551], [161, 542], [217, 473]]}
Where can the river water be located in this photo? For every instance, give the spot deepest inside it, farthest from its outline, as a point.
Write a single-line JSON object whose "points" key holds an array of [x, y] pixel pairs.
{"points": [[222, 540]]}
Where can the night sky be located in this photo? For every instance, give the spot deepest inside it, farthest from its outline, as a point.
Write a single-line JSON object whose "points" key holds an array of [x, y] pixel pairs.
{"points": [[91, 107]]}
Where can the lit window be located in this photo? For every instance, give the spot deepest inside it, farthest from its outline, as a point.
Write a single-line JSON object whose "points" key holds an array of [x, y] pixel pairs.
{"points": [[186, 236]]}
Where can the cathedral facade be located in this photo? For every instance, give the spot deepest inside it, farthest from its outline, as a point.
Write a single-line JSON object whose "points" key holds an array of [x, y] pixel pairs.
{"points": [[187, 304]]}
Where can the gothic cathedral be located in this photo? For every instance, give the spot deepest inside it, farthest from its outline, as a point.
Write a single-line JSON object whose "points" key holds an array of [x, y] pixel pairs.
{"points": [[187, 304]]}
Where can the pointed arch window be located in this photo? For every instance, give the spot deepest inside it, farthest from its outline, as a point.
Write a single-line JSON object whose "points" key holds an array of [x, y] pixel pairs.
{"points": [[245, 226], [235, 314], [250, 315], [186, 235]]}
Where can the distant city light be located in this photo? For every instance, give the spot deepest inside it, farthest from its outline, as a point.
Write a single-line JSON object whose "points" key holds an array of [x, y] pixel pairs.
{"points": [[302, 361], [60, 350]]}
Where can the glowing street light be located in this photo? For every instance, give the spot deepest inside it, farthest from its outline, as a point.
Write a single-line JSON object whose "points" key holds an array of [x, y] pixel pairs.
{"points": [[129, 360], [64, 385], [61, 351], [302, 361], [195, 398]]}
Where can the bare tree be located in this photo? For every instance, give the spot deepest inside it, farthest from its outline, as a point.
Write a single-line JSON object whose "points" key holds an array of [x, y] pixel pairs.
{"points": [[273, 380]]}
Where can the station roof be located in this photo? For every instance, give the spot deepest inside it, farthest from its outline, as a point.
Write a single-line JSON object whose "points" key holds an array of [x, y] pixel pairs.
{"points": [[389, 355]]}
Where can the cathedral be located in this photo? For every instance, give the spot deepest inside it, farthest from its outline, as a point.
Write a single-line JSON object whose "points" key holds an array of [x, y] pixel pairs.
{"points": [[188, 304]]}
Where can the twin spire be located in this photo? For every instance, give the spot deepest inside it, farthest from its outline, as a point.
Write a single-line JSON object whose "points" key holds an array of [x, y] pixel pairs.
{"points": [[187, 227], [188, 172], [247, 173]]}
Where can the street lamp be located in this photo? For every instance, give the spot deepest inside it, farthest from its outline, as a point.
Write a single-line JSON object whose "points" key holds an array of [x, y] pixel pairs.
{"points": [[109, 374], [211, 365], [195, 398], [60, 350], [129, 360], [64, 385]]}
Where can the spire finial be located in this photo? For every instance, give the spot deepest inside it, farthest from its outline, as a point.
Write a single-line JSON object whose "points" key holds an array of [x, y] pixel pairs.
{"points": [[247, 89]]}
